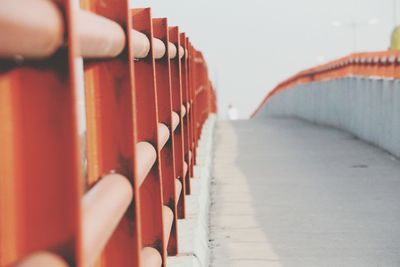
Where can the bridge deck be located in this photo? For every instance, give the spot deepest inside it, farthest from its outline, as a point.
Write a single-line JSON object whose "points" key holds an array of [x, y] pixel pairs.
{"points": [[289, 193]]}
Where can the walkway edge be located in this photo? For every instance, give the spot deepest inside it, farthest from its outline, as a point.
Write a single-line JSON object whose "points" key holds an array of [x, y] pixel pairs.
{"points": [[194, 230]]}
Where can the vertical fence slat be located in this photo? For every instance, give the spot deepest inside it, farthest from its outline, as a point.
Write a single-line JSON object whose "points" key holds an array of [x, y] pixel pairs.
{"points": [[109, 87], [40, 169], [185, 98], [176, 87], [195, 88], [192, 104], [167, 154], [189, 111], [147, 121]]}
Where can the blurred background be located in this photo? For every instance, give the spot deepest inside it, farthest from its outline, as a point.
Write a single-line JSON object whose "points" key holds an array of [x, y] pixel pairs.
{"points": [[252, 45]]}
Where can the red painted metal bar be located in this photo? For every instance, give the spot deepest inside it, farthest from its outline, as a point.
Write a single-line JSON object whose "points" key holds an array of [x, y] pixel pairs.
{"points": [[145, 162], [198, 88], [141, 44], [110, 98], [99, 36], [147, 123], [181, 51], [189, 112], [143, 121], [28, 30], [40, 170], [163, 135], [213, 100], [196, 76], [167, 154], [150, 257], [202, 88], [175, 120], [159, 48], [203, 94], [176, 90], [185, 103], [192, 105], [37, 31], [172, 51]]}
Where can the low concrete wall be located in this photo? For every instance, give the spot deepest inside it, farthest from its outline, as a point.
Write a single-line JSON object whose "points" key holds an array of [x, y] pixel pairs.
{"points": [[193, 231], [368, 108]]}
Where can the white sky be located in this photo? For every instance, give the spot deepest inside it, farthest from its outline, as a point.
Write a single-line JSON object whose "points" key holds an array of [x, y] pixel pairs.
{"points": [[252, 45]]}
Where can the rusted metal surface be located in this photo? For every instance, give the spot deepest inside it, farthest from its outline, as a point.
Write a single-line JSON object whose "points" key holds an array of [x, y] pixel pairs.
{"points": [[140, 143], [111, 136], [193, 104], [198, 87], [185, 101], [37, 31], [40, 172], [147, 122], [167, 154], [144, 118], [176, 93], [189, 101]]}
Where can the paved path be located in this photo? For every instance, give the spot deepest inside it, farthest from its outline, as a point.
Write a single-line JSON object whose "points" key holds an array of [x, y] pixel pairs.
{"points": [[289, 193]]}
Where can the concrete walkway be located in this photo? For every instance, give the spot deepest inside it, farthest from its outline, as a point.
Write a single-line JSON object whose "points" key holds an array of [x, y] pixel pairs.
{"points": [[289, 193]]}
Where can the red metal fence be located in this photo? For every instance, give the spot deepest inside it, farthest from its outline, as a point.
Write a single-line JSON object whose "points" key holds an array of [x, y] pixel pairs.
{"points": [[147, 96], [384, 64]]}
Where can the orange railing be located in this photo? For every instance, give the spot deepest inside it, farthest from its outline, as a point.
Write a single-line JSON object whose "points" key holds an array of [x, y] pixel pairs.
{"points": [[147, 96], [385, 64]]}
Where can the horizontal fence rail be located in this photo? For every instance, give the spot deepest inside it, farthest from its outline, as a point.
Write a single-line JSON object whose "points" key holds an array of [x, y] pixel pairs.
{"points": [[147, 97]]}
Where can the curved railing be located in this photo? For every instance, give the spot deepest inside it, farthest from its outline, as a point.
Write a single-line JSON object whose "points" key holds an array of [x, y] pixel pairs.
{"points": [[359, 93], [147, 96]]}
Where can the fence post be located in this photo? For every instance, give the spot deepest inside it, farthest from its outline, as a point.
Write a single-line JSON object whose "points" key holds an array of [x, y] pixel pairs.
{"points": [[40, 170]]}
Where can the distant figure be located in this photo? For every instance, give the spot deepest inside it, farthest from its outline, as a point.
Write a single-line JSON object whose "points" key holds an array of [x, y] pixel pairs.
{"points": [[395, 40], [232, 113]]}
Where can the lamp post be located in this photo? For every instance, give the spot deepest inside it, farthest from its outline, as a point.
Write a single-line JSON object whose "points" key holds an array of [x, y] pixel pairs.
{"points": [[394, 8]]}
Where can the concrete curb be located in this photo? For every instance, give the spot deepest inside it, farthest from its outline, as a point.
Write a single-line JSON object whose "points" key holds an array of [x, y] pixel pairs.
{"points": [[193, 232]]}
